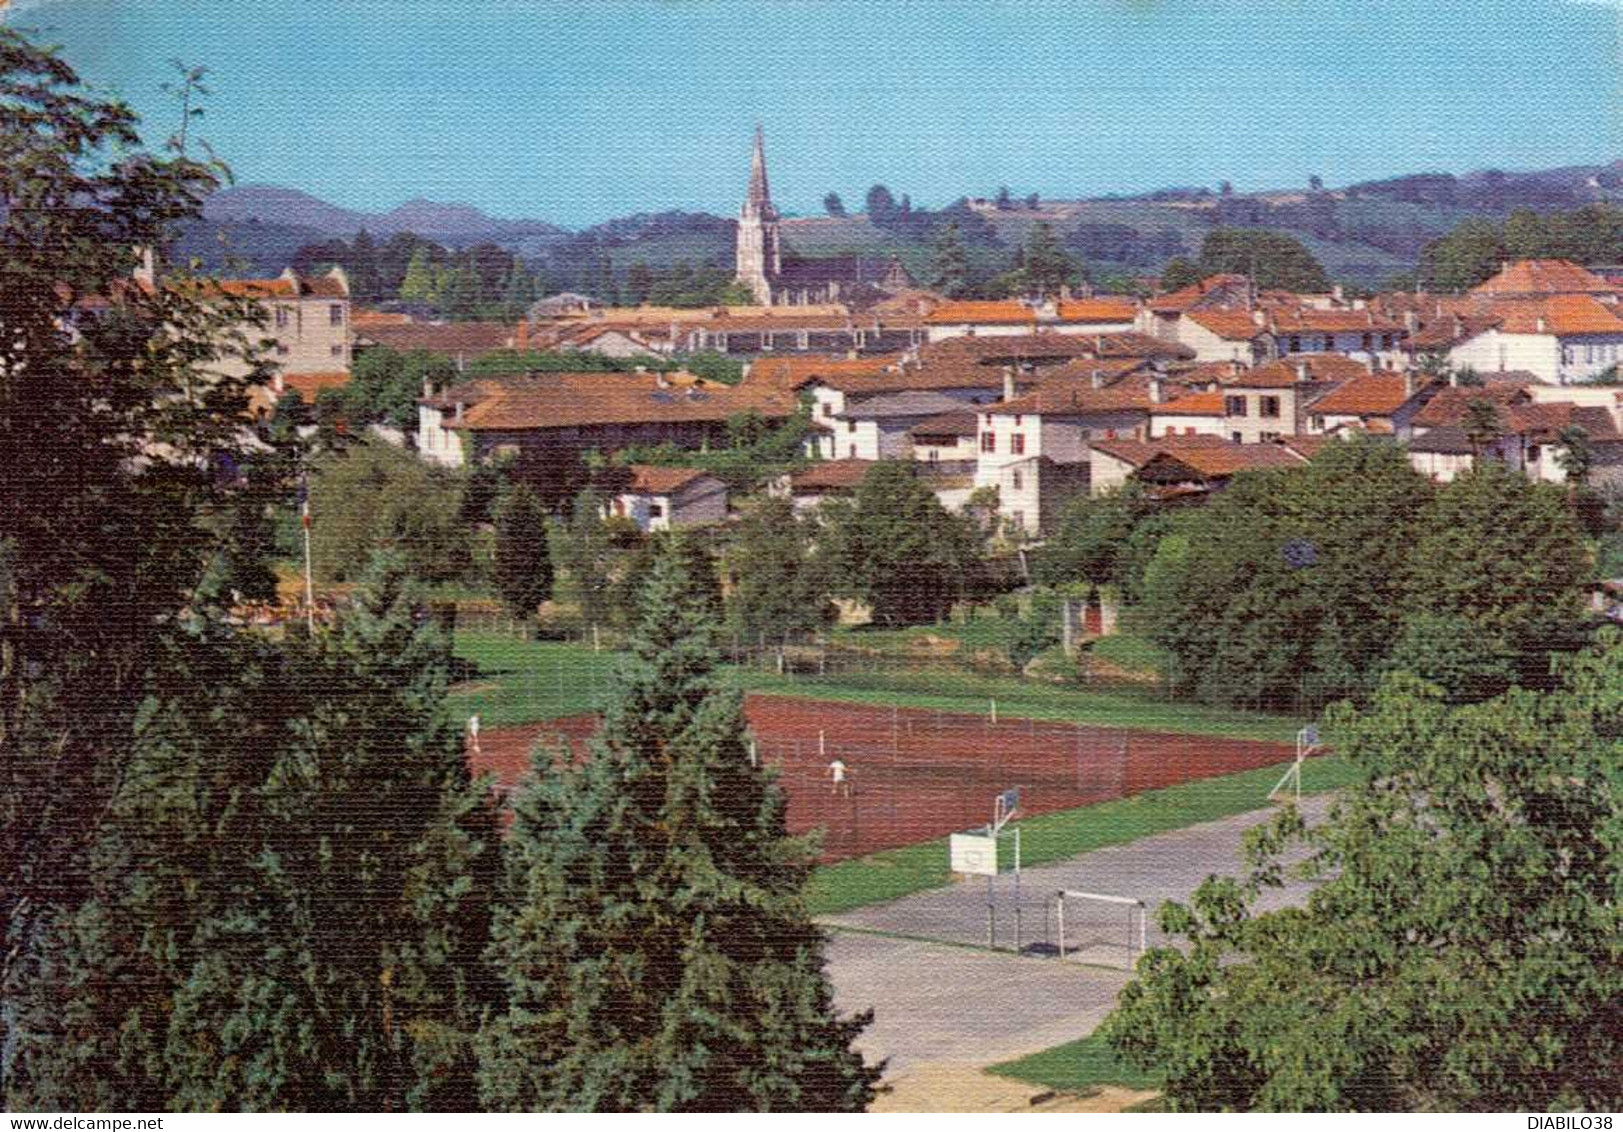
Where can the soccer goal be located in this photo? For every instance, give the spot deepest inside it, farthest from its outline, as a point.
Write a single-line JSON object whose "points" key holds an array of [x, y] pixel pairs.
{"points": [[1096, 927]]}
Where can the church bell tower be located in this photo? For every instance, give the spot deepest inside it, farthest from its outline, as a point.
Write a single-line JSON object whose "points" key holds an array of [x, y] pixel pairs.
{"points": [[759, 259]]}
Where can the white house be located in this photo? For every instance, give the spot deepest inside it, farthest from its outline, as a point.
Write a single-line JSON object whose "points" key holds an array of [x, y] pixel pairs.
{"points": [[1008, 317], [662, 498], [1560, 340]]}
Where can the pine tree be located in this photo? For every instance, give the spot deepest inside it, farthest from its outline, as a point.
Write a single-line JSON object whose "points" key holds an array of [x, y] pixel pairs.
{"points": [[949, 268], [419, 284], [652, 934], [523, 563]]}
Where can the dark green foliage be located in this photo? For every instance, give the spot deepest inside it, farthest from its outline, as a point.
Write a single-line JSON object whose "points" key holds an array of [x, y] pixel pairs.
{"points": [[895, 547], [1045, 267], [652, 936], [373, 496], [119, 485], [757, 451], [1288, 587], [1474, 250], [1180, 273], [1460, 952], [522, 568], [833, 205], [290, 892], [949, 267], [1448, 651], [385, 384], [1104, 539], [779, 585], [1271, 259], [1504, 555]]}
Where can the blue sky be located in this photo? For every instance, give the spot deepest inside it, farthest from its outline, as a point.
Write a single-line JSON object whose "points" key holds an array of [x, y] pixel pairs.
{"points": [[579, 111]]}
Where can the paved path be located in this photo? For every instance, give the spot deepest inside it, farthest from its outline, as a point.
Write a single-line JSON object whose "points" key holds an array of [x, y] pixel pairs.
{"points": [[937, 1003]]}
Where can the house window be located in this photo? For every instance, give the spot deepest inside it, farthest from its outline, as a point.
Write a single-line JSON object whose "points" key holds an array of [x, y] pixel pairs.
{"points": [[1369, 343], [1533, 451], [1019, 519], [656, 511], [1316, 424], [1270, 407], [853, 451], [1237, 438], [1270, 437], [281, 318], [281, 350], [1295, 346], [1110, 434], [1188, 431], [1017, 482], [1234, 406], [337, 349], [850, 426], [988, 442], [335, 313], [1017, 443], [1017, 420]]}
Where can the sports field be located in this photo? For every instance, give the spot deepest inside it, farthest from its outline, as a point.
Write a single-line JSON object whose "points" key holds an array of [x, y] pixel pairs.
{"points": [[914, 775]]}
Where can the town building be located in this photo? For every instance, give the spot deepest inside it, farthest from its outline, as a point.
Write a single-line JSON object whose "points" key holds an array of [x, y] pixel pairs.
{"points": [[659, 498]]}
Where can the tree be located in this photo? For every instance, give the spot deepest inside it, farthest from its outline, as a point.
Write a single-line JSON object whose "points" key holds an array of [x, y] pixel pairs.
{"points": [[652, 935], [1032, 201], [372, 496], [833, 205], [880, 204], [522, 566], [1460, 949], [291, 888], [1577, 455], [1272, 260], [385, 384], [1506, 555], [1482, 426], [895, 547], [1289, 587], [1315, 184], [1046, 268], [1179, 273], [109, 527], [1093, 531], [779, 586], [949, 266], [1468, 255], [1004, 200], [421, 281], [639, 282]]}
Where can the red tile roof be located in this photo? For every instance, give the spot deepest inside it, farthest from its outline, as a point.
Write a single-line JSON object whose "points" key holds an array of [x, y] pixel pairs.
{"points": [[1449, 406], [1234, 325], [1000, 312], [1182, 300], [655, 479], [576, 400], [1561, 315], [1369, 395], [442, 337], [830, 475], [1544, 277], [310, 384], [1206, 404], [1288, 371], [1097, 310]]}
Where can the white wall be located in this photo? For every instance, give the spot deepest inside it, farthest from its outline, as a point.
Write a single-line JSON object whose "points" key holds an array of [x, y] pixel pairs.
{"points": [[435, 443]]}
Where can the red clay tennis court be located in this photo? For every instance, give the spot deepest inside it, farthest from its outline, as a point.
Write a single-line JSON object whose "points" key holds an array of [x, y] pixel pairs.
{"points": [[913, 775]]}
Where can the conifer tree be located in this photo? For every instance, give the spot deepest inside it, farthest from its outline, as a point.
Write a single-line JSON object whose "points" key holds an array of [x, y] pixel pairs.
{"points": [[652, 935], [523, 563]]}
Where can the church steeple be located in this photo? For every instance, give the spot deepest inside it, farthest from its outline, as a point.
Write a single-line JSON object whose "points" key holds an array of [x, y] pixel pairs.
{"points": [[758, 255], [758, 202]]}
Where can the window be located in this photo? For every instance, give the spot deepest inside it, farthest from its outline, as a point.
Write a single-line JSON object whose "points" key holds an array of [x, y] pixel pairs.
{"points": [[1270, 407], [1017, 420], [1019, 518], [1295, 345], [1270, 437], [1369, 343], [1017, 443], [656, 511], [1533, 452], [335, 313], [1017, 482], [988, 442], [337, 349], [1188, 430], [853, 451], [281, 350], [1316, 424], [281, 318], [1234, 406], [1110, 434], [850, 426], [1237, 438]]}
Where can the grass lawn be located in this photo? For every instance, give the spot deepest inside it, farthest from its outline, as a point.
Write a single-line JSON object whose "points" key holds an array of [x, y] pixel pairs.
{"points": [[1018, 698], [522, 681], [1131, 653], [895, 873], [1076, 1067]]}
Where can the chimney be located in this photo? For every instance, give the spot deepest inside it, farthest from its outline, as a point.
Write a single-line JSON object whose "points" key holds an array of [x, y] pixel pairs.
{"points": [[1338, 293], [1411, 321], [1259, 317], [521, 335], [428, 388], [1158, 390], [146, 272], [1098, 378], [1008, 383], [1301, 371], [1408, 384], [1538, 325], [461, 407]]}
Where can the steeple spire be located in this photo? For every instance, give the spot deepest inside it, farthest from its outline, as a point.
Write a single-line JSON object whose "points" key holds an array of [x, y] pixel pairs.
{"points": [[759, 199]]}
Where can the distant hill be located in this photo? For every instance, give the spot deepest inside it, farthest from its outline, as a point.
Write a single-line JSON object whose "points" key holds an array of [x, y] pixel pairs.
{"points": [[1363, 234], [451, 224]]}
